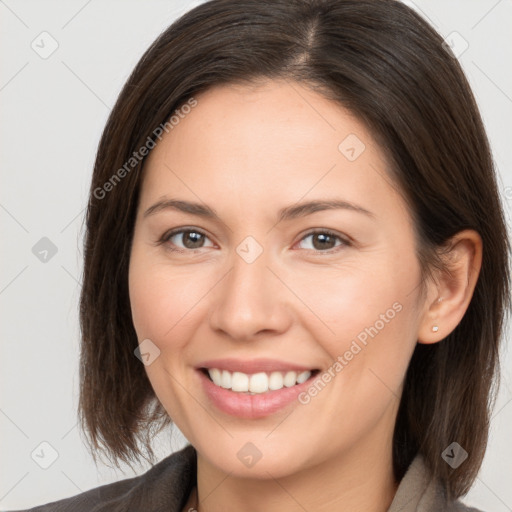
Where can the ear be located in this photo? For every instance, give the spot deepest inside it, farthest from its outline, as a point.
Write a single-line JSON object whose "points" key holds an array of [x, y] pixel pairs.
{"points": [[449, 298]]}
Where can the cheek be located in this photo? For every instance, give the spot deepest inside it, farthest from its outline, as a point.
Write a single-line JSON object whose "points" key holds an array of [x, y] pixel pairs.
{"points": [[164, 301], [162, 311], [346, 300], [366, 317]]}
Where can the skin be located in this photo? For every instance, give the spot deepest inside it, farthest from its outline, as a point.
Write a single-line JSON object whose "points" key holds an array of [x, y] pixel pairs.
{"points": [[247, 152]]}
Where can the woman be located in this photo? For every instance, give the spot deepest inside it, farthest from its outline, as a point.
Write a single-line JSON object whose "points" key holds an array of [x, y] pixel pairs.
{"points": [[294, 226]]}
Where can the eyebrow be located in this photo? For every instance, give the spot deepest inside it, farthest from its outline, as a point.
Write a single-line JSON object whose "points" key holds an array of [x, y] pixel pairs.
{"points": [[287, 213]]}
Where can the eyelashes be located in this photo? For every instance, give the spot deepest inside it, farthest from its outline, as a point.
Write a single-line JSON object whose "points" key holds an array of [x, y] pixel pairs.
{"points": [[323, 235], [171, 234], [198, 236]]}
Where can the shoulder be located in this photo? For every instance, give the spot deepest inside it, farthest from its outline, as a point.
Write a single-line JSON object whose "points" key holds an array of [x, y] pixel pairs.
{"points": [[165, 486], [458, 506], [418, 492]]}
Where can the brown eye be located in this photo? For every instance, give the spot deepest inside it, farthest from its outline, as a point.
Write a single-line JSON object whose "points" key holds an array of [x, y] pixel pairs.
{"points": [[323, 241], [190, 239]]}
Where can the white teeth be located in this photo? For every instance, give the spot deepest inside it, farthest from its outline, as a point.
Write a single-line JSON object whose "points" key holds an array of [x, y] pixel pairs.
{"points": [[275, 381], [290, 379], [257, 382], [225, 380], [216, 376], [303, 377], [239, 382]]}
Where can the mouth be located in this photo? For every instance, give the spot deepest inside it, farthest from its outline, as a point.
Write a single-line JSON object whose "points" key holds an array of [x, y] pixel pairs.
{"points": [[257, 383], [253, 389]]}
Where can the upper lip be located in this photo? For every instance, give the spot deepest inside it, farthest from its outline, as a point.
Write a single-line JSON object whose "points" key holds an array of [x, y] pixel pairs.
{"points": [[253, 365]]}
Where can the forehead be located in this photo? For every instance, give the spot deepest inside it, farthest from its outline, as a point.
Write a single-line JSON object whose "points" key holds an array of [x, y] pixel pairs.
{"points": [[277, 141]]}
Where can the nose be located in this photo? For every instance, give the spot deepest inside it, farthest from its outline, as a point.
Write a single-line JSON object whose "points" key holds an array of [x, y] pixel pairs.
{"points": [[251, 300]]}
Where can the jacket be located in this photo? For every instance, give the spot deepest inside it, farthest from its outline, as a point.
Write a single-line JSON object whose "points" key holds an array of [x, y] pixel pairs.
{"points": [[166, 486]]}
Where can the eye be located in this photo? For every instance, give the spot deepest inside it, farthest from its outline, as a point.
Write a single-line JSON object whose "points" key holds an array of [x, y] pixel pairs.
{"points": [[190, 238], [322, 240]]}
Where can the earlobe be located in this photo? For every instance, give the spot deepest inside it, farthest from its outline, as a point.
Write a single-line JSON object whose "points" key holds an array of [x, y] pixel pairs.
{"points": [[454, 287]]}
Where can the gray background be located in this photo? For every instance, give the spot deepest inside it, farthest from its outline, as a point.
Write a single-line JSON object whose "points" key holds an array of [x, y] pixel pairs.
{"points": [[53, 112]]}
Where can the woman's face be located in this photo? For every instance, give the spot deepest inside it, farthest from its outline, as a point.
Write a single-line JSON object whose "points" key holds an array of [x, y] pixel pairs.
{"points": [[246, 289]]}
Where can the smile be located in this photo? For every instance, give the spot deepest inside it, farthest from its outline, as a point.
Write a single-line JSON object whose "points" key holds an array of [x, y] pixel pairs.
{"points": [[252, 389], [256, 383]]}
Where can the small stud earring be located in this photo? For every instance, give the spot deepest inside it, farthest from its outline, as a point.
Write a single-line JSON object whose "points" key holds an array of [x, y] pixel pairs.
{"points": [[435, 328]]}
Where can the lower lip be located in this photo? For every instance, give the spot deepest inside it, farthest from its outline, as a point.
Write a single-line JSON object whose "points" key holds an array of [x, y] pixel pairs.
{"points": [[252, 406]]}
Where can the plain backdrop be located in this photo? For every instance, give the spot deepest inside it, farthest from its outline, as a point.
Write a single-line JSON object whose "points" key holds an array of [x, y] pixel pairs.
{"points": [[62, 67]]}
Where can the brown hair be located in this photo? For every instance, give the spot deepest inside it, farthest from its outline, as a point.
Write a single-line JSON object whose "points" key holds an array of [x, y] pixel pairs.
{"points": [[384, 63]]}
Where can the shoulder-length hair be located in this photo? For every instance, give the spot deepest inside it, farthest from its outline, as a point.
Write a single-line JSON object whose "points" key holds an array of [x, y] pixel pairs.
{"points": [[385, 64]]}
